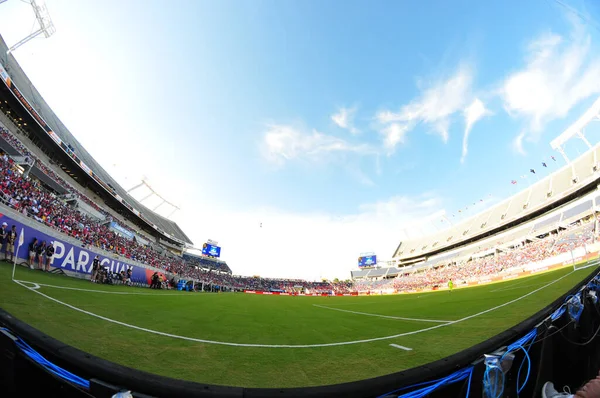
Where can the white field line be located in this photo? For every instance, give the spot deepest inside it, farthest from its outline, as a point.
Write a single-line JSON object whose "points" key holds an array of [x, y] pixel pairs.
{"points": [[519, 284], [383, 316], [100, 291], [290, 345], [505, 289], [401, 347]]}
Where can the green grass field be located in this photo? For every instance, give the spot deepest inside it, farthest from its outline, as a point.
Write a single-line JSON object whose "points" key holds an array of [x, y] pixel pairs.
{"points": [[301, 322]]}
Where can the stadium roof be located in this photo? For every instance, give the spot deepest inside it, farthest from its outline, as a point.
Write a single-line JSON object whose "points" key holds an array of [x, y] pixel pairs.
{"points": [[569, 179], [22, 82]]}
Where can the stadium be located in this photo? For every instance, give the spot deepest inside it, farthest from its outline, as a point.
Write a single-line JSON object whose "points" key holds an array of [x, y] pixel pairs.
{"points": [[101, 295]]}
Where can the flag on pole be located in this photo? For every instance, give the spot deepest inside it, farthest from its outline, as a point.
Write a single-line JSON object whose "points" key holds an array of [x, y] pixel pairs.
{"points": [[513, 182], [553, 158], [544, 164], [21, 240], [532, 171]]}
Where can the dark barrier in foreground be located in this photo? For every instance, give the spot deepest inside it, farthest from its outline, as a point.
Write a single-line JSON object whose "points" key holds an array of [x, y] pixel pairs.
{"points": [[560, 344]]}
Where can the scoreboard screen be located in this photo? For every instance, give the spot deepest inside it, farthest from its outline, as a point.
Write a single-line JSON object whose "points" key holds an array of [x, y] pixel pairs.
{"points": [[367, 261], [211, 250]]}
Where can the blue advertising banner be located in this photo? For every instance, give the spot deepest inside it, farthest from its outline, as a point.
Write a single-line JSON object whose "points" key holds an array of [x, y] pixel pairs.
{"points": [[71, 257], [367, 261], [210, 250], [120, 230]]}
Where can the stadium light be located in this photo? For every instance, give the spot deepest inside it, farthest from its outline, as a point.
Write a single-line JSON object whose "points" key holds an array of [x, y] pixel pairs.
{"points": [[152, 193], [45, 22], [577, 130]]}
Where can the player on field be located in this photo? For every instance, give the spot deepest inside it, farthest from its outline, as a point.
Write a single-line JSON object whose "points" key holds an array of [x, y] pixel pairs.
{"points": [[450, 285]]}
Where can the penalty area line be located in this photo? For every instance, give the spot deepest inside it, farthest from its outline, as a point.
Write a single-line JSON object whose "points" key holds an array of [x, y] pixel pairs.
{"points": [[341, 343], [382, 316]]}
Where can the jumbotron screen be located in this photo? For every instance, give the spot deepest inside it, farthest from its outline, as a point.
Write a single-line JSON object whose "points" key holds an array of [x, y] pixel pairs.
{"points": [[211, 250], [367, 261]]}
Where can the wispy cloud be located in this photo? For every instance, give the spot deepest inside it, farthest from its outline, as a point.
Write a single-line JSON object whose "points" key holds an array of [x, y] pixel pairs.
{"points": [[517, 143], [393, 135], [284, 142], [344, 118], [473, 113], [434, 107], [559, 72]]}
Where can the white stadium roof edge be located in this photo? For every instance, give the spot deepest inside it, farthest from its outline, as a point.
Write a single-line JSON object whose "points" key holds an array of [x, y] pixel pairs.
{"points": [[569, 179], [164, 226]]}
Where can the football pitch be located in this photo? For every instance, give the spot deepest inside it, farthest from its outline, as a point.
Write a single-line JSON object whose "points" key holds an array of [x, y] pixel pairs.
{"points": [[249, 340]]}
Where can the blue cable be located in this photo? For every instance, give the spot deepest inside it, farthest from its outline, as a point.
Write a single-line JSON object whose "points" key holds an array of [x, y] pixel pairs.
{"points": [[469, 382], [49, 366], [528, 370], [433, 384]]}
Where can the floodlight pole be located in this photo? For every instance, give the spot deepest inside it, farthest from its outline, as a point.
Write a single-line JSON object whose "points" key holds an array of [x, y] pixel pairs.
{"points": [[46, 25]]}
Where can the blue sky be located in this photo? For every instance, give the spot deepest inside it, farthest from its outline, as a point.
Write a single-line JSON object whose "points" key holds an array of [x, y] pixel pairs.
{"points": [[339, 125]]}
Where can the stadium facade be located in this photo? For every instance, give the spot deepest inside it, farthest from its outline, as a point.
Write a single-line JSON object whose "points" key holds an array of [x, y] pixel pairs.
{"points": [[550, 204], [25, 111]]}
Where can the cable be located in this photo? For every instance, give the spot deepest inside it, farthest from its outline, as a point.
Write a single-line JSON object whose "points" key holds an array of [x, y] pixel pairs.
{"points": [[434, 384], [47, 365], [469, 383], [582, 344]]}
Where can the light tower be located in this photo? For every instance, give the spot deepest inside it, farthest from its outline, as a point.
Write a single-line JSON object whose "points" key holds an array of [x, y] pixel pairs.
{"points": [[46, 26], [577, 130], [153, 193]]}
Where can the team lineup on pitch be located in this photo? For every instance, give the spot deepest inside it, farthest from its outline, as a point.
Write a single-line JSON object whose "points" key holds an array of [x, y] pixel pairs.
{"points": [[384, 333]]}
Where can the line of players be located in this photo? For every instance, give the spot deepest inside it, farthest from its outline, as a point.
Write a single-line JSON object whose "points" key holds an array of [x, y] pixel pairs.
{"points": [[41, 251]]}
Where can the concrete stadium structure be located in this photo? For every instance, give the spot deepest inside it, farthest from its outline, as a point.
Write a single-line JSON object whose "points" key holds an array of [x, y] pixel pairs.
{"points": [[32, 117], [566, 195]]}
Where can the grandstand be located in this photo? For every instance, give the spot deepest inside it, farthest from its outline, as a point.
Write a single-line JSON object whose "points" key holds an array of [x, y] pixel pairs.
{"points": [[530, 225], [31, 116]]}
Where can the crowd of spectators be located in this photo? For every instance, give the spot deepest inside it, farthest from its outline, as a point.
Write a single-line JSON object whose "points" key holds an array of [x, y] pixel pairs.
{"points": [[503, 260], [22, 149], [27, 196], [236, 282]]}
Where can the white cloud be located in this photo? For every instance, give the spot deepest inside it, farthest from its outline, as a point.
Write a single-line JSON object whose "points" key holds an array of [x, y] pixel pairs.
{"points": [[344, 118], [473, 113], [435, 105], [313, 245], [283, 143], [394, 134], [517, 143], [558, 74]]}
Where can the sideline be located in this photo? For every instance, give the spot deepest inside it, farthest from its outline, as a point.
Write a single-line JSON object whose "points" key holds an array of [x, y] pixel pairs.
{"points": [[101, 291], [383, 316], [341, 343]]}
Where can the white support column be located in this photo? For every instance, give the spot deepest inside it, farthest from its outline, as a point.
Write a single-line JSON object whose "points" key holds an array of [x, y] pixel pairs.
{"points": [[580, 135], [508, 208], [529, 196], [564, 155], [136, 187], [448, 220]]}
